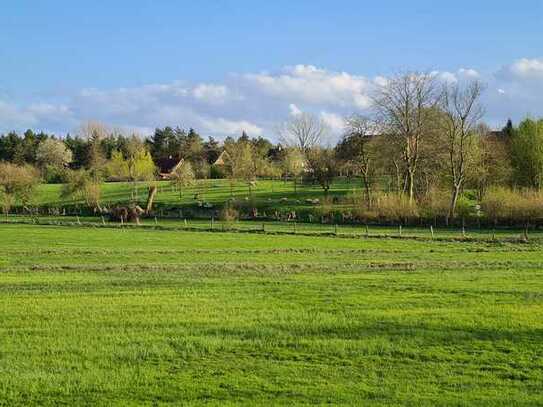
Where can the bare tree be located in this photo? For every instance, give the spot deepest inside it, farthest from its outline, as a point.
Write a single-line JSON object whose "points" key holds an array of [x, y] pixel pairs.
{"points": [[462, 114], [357, 137], [404, 107], [303, 131]]}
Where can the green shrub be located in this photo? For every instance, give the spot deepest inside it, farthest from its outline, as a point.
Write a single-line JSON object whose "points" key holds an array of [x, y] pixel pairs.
{"points": [[217, 172], [496, 204], [396, 207], [518, 207], [435, 205]]}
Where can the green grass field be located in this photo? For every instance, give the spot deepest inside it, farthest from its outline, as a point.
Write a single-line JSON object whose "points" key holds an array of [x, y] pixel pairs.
{"points": [[216, 192], [133, 317]]}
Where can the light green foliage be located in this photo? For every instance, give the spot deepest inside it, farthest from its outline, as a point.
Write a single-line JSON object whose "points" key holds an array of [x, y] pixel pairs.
{"points": [[465, 208], [239, 163], [136, 164], [141, 166], [82, 186], [117, 167], [17, 183], [293, 164], [520, 206], [527, 153], [182, 176], [136, 317], [496, 203]]}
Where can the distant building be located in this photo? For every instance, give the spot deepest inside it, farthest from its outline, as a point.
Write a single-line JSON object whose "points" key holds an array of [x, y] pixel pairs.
{"points": [[167, 166], [221, 160]]}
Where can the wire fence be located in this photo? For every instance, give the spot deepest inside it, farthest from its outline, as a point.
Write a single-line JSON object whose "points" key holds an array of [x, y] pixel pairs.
{"points": [[291, 227]]}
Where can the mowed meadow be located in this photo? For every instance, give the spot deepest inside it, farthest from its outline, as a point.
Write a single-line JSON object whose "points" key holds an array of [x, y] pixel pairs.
{"points": [[109, 316]]}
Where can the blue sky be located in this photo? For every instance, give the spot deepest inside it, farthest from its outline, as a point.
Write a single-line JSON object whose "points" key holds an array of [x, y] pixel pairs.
{"points": [[223, 65]]}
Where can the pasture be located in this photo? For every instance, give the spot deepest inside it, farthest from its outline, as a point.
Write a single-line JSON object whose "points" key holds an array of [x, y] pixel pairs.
{"points": [[140, 316], [266, 192]]}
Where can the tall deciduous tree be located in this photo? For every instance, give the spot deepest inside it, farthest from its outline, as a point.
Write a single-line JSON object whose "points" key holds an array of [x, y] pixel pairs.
{"points": [[462, 112], [355, 147], [293, 164], [322, 165], [239, 162], [527, 153], [405, 108], [53, 152], [303, 131], [94, 133]]}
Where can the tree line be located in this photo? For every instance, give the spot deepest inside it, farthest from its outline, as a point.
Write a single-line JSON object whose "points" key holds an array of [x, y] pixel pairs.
{"points": [[423, 145]]}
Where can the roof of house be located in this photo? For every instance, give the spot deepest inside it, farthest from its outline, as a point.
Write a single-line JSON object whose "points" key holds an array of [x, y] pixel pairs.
{"points": [[221, 159], [167, 164]]}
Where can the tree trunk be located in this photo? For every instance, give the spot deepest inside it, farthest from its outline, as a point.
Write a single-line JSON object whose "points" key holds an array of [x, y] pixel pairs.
{"points": [[367, 190], [454, 200], [411, 184], [150, 198]]}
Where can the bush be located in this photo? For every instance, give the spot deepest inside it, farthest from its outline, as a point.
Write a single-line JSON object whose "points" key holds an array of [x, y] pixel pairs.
{"points": [[496, 204], [54, 175], [465, 209], [521, 208], [396, 207], [229, 214], [528, 208], [217, 172], [435, 205]]}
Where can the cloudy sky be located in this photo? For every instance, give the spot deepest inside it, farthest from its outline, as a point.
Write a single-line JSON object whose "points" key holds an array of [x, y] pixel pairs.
{"points": [[226, 66]]}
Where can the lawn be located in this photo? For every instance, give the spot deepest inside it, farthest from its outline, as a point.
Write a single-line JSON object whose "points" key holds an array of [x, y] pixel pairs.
{"points": [[266, 192], [137, 316]]}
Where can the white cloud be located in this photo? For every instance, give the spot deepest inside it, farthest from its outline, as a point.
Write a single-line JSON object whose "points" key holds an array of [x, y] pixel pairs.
{"points": [[256, 102], [334, 121], [380, 80], [526, 69], [461, 74], [230, 127], [294, 110], [448, 77], [468, 73], [39, 116], [312, 85], [210, 93]]}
